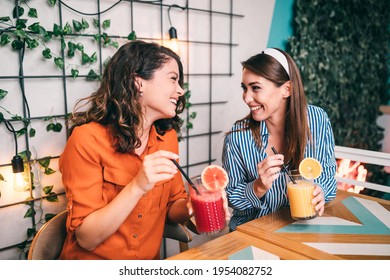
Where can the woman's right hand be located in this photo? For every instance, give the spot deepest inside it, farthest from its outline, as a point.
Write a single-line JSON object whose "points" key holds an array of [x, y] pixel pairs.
{"points": [[156, 167], [268, 171]]}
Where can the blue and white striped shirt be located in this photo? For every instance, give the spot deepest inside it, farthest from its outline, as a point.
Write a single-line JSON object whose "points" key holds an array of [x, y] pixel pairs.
{"points": [[241, 156]]}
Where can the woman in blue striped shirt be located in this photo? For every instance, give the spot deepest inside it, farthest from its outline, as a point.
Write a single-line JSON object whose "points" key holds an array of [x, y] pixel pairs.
{"points": [[281, 118]]}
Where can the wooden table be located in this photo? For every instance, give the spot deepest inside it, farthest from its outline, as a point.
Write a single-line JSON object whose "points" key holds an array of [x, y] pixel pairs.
{"points": [[223, 247], [353, 227]]}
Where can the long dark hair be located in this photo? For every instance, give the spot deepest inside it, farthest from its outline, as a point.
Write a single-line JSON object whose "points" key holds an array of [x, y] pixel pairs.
{"points": [[297, 132], [115, 104]]}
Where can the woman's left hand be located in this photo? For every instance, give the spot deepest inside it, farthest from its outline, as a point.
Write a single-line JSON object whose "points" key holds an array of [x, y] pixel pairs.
{"points": [[319, 200]]}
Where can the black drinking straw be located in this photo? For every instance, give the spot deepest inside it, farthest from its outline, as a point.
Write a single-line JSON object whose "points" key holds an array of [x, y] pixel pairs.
{"points": [[186, 176], [284, 167]]}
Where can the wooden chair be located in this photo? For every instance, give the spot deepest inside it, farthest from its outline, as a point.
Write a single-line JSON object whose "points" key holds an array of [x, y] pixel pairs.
{"points": [[47, 243], [181, 233]]}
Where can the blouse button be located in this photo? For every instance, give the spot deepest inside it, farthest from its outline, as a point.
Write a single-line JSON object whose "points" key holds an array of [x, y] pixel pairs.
{"points": [[139, 216], [135, 235]]}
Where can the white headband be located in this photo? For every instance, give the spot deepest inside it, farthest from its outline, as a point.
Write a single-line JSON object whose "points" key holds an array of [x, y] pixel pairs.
{"points": [[279, 57]]}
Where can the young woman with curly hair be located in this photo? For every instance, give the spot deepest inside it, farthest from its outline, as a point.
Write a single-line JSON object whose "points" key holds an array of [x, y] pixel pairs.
{"points": [[117, 169]]}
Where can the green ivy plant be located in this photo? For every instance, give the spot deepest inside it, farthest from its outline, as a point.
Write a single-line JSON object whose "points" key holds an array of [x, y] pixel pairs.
{"points": [[342, 48], [21, 30], [191, 115]]}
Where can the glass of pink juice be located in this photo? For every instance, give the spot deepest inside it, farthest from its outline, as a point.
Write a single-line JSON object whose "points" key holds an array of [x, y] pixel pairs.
{"points": [[208, 208]]}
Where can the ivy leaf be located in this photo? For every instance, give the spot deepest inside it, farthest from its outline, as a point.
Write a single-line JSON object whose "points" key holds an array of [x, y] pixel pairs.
{"points": [[17, 12], [46, 53], [75, 73], [93, 58], [106, 24], [189, 125], [31, 43], [80, 47], [57, 127], [67, 29], [3, 93], [48, 35], [92, 76], [2, 178], [33, 13], [5, 39], [47, 190], [49, 171], [21, 132], [84, 24], [84, 58], [57, 30], [5, 19], [50, 126], [37, 28], [16, 118], [187, 94], [29, 213], [44, 162], [96, 37], [49, 216], [25, 155], [32, 132], [115, 45], [105, 38], [96, 23], [21, 23], [20, 33], [193, 115], [59, 62], [52, 198], [132, 36], [71, 49], [77, 25], [52, 2], [34, 27], [31, 231]]}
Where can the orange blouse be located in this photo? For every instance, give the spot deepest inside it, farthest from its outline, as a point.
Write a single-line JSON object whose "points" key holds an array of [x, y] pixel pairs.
{"points": [[93, 174]]}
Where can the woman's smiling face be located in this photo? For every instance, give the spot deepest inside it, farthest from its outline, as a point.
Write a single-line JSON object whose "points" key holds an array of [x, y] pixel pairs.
{"points": [[262, 96], [161, 93]]}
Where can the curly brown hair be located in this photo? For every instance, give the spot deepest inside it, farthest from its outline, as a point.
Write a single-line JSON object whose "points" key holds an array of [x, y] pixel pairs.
{"points": [[115, 104]]}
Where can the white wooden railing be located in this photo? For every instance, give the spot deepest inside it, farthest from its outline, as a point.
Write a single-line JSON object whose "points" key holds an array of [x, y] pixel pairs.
{"points": [[365, 157]]}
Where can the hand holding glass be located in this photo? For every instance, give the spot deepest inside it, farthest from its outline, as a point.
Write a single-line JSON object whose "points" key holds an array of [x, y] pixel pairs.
{"points": [[208, 208], [300, 196]]}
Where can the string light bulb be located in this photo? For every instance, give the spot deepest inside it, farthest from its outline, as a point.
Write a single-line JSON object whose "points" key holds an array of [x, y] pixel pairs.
{"points": [[20, 184], [173, 43]]}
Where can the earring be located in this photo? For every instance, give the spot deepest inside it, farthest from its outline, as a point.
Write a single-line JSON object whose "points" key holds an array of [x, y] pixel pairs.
{"points": [[141, 94]]}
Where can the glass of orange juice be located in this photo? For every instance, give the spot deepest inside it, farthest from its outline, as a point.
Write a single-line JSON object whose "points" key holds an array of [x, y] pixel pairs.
{"points": [[300, 195]]}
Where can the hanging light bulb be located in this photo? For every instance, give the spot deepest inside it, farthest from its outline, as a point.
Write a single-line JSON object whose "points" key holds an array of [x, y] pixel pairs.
{"points": [[173, 43], [20, 184]]}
